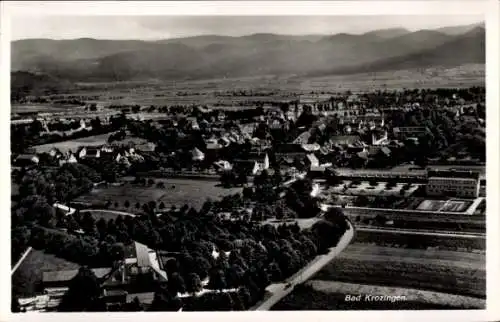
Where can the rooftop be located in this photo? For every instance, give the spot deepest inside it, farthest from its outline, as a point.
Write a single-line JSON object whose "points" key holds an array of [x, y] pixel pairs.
{"points": [[67, 275]]}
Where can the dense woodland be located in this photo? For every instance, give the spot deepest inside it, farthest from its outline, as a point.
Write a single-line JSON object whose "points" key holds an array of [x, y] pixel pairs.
{"points": [[259, 254]]}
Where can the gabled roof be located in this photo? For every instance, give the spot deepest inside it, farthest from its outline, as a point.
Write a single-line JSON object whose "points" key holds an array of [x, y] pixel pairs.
{"points": [[197, 154], [303, 138], [246, 166], [289, 148], [344, 139], [386, 151], [312, 158], [67, 275]]}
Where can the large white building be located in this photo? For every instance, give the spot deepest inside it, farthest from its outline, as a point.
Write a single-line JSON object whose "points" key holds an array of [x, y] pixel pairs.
{"points": [[453, 183]]}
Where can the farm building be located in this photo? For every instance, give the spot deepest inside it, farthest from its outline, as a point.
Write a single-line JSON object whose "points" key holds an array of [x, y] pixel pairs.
{"points": [[26, 160]]}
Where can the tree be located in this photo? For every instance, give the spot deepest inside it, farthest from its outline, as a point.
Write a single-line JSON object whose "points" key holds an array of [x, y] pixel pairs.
{"points": [[201, 266], [217, 280], [137, 205], [83, 293], [245, 296], [135, 305], [176, 283], [127, 204], [151, 182], [162, 205], [164, 300], [193, 284], [14, 305]]}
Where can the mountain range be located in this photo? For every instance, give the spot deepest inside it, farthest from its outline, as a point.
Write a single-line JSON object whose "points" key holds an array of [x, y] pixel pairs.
{"points": [[213, 56]]}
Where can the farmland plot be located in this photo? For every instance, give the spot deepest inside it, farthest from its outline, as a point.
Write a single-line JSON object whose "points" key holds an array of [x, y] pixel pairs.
{"points": [[443, 271]]}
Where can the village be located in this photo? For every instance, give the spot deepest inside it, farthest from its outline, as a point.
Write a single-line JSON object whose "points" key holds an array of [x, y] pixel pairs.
{"points": [[161, 210]]}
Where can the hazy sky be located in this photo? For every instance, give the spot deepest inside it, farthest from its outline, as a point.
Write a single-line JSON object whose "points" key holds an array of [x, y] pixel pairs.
{"points": [[156, 27]]}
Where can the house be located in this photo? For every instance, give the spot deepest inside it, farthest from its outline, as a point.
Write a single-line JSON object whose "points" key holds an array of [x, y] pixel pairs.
{"points": [[89, 152], [344, 139], [453, 183], [26, 160], [54, 152], [107, 149], [311, 147], [61, 279], [379, 138], [311, 161], [67, 158], [247, 167], [303, 138], [145, 147], [289, 150], [262, 159], [197, 155], [400, 132], [223, 165]]}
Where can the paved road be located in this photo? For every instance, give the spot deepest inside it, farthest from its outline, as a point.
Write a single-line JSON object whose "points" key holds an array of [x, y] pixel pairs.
{"points": [[279, 290], [110, 211], [21, 260]]}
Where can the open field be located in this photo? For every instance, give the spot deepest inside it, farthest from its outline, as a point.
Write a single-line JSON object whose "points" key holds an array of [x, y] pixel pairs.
{"points": [[274, 88], [308, 297], [73, 145], [27, 278], [176, 192], [42, 108], [458, 273]]}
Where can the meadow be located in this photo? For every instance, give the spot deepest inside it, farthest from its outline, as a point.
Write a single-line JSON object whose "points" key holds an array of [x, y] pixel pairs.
{"points": [[73, 145], [176, 192]]}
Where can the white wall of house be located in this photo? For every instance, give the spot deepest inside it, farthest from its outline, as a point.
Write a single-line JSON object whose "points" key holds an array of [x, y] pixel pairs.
{"points": [[460, 187]]}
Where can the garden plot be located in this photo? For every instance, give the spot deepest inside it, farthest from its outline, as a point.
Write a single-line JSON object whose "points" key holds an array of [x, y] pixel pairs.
{"points": [[367, 189], [445, 205]]}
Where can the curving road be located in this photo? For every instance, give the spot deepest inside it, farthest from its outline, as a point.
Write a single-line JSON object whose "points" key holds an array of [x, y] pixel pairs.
{"points": [[116, 212], [280, 290]]}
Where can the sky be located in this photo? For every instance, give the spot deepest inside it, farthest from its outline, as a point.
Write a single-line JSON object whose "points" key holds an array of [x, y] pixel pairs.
{"points": [[163, 27]]}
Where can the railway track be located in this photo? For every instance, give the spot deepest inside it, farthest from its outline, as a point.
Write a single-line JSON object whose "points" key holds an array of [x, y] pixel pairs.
{"points": [[422, 231]]}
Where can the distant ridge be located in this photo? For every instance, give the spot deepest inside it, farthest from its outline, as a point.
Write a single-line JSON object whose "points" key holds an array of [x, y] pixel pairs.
{"points": [[211, 56]]}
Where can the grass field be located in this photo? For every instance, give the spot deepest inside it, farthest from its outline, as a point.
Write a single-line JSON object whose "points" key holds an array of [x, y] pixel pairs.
{"points": [[27, 278], [73, 145], [451, 272], [42, 108], [215, 91], [312, 296], [176, 192]]}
